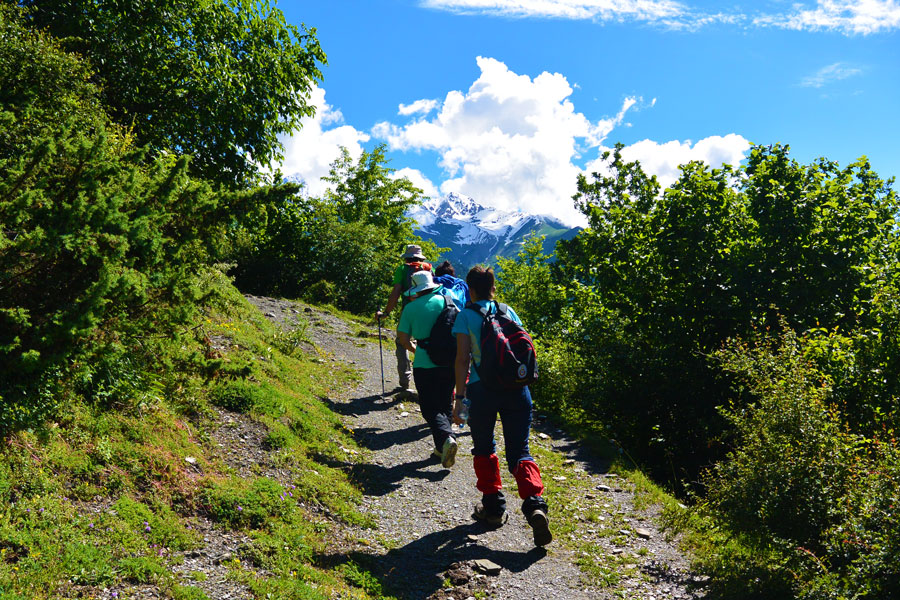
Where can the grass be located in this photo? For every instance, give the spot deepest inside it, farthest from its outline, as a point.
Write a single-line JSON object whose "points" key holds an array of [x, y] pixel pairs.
{"points": [[105, 497], [578, 508]]}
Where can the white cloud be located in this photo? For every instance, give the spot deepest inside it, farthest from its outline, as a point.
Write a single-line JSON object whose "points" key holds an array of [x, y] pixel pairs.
{"points": [[664, 13], [829, 74], [509, 141], [419, 180], [602, 10], [419, 106], [845, 16], [663, 159], [309, 151]]}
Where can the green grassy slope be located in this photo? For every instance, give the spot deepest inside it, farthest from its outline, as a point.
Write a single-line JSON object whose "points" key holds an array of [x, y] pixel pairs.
{"points": [[109, 495]]}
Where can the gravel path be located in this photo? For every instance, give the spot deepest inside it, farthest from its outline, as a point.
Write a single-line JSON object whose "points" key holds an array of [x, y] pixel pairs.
{"points": [[426, 543]]}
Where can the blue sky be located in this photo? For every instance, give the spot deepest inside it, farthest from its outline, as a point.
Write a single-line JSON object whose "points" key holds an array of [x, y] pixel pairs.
{"points": [[508, 100]]}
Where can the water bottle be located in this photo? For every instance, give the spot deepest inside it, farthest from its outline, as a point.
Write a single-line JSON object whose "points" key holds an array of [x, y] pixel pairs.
{"points": [[464, 411]]}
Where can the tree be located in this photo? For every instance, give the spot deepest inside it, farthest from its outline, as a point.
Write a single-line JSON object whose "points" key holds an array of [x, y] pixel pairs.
{"points": [[217, 79], [341, 248], [721, 253]]}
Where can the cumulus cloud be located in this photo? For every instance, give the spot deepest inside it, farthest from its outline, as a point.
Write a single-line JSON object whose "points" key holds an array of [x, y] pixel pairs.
{"points": [[663, 159], [419, 180], [509, 141], [829, 74], [419, 106], [845, 16], [309, 151]]}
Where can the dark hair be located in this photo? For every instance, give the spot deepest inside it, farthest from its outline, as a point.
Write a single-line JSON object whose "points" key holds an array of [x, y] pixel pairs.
{"points": [[445, 268], [481, 281]]}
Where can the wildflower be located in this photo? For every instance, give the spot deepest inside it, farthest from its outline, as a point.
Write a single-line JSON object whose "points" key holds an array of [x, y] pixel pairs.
{"points": [[239, 508], [147, 528], [91, 525]]}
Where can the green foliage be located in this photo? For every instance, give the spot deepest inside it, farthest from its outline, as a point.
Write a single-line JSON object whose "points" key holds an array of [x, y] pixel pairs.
{"points": [[806, 507], [340, 249], [42, 88], [659, 280], [527, 284], [217, 79]]}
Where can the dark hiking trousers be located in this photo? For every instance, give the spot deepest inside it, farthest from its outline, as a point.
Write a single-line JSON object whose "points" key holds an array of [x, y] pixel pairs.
{"points": [[514, 409], [435, 389]]}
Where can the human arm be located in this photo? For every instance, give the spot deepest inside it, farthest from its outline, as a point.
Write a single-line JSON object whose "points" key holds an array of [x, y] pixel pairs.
{"points": [[404, 340], [391, 303], [463, 352]]}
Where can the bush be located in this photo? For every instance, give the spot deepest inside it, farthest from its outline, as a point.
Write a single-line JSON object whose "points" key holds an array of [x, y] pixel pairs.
{"points": [[807, 508]]}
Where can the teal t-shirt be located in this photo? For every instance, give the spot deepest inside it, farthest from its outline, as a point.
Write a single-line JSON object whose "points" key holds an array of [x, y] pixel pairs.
{"points": [[469, 322], [417, 319]]}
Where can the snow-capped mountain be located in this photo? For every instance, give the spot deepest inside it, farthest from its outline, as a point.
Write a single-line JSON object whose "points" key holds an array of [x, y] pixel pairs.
{"points": [[476, 234]]}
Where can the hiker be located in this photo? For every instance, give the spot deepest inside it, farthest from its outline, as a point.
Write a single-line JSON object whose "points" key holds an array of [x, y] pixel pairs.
{"points": [[413, 261], [512, 404], [434, 382], [454, 287]]}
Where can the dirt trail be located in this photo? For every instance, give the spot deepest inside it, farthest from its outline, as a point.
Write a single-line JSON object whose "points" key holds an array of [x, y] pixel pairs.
{"points": [[426, 541]]}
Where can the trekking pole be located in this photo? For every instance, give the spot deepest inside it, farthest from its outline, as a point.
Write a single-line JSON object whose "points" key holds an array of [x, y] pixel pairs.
{"points": [[381, 354]]}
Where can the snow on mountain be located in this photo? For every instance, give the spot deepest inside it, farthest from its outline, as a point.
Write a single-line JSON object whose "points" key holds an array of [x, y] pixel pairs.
{"points": [[478, 234]]}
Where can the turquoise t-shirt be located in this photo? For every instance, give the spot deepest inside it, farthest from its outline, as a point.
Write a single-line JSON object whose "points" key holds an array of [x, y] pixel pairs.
{"points": [[417, 319], [469, 322]]}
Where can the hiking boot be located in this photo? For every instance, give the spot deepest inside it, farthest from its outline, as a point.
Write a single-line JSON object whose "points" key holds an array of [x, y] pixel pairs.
{"points": [[484, 516], [448, 454], [540, 525]]}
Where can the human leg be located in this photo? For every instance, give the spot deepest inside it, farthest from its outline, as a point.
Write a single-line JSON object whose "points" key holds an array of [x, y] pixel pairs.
{"points": [[482, 418], [432, 387], [515, 416], [404, 367]]}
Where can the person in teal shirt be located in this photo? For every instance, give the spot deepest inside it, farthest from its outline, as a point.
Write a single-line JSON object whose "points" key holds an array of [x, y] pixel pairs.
{"points": [[513, 406], [434, 383]]}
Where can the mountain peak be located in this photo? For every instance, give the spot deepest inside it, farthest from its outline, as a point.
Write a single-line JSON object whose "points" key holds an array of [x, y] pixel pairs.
{"points": [[478, 234]]}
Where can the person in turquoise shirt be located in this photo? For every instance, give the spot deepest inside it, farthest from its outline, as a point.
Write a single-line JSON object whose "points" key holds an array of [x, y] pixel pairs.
{"points": [[514, 409], [434, 383]]}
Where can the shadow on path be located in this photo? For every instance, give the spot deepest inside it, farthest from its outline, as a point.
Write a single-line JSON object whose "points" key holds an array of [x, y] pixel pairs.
{"points": [[416, 569], [376, 480], [362, 406]]}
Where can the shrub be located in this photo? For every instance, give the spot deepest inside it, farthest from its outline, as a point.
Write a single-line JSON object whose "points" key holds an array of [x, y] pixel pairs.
{"points": [[807, 508]]}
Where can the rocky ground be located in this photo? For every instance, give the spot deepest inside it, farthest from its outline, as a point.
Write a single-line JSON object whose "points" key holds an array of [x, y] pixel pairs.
{"points": [[426, 544]]}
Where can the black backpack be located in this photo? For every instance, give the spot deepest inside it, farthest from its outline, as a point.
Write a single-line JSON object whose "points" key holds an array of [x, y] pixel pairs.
{"points": [[441, 343], [508, 360]]}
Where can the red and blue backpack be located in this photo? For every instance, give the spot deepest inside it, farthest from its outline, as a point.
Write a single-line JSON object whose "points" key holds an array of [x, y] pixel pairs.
{"points": [[508, 360]]}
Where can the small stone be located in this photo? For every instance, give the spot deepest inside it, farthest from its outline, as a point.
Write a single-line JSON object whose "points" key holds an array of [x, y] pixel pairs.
{"points": [[625, 532], [569, 461], [617, 551], [190, 460], [643, 533], [271, 315], [487, 566], [603, 488], [558, 478], [404, 414], [543, 436], [472, 538]]}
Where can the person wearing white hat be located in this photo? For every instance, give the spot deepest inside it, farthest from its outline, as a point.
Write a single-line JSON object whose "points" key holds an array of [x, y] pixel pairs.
{"points": [[434, 383], [413, 261]]}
